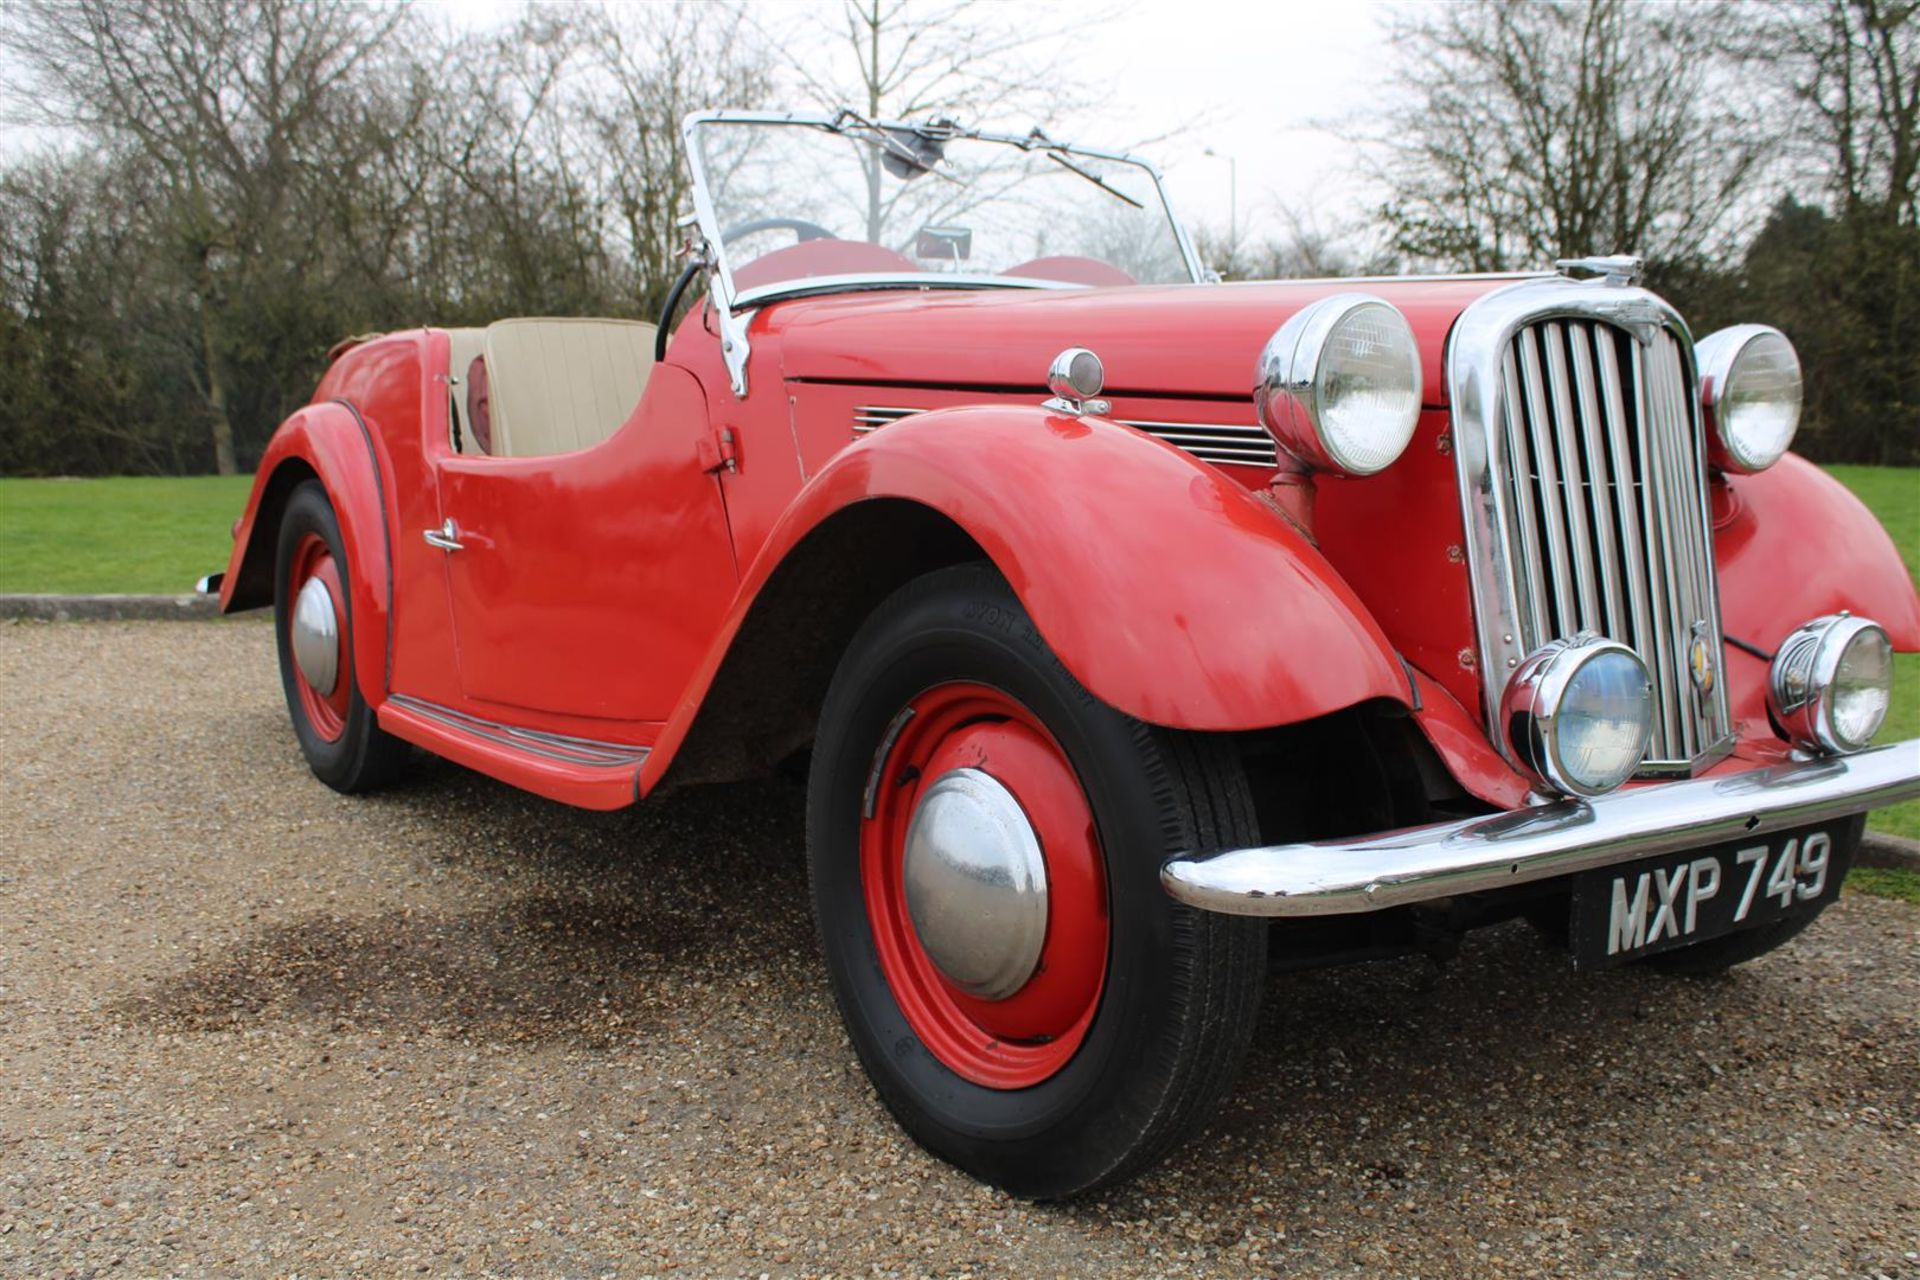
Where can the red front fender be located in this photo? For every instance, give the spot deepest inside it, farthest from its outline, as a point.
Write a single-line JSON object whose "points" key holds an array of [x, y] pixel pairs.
{"points": [[1169, 591], [1794, 543], [331, 442]]}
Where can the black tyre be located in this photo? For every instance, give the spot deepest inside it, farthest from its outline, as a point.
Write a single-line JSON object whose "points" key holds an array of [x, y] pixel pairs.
{"points": [[1121, 1036], [343, 743]]}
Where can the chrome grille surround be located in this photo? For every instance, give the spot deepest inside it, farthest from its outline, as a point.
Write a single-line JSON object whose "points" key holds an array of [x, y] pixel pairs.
{"points": [[1225, 444], [1560, 391]]}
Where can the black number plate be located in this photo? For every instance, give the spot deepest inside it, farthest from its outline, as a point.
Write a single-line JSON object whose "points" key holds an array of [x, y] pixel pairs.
{"points": [[1642, 908]]}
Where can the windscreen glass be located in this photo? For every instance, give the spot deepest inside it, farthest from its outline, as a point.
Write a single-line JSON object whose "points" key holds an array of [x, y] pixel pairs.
{"points": [[794, 201]]}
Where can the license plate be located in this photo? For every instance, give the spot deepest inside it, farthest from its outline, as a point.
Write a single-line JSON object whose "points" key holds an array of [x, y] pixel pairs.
{"points": [[1642, 908]]}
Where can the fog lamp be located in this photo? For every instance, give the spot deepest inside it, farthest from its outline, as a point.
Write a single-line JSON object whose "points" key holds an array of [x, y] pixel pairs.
{"points": [[1578, 713], [1831, 683]]}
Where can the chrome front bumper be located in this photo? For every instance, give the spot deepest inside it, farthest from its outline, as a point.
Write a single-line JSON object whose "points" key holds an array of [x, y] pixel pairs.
{"points": [[1474, 855]]}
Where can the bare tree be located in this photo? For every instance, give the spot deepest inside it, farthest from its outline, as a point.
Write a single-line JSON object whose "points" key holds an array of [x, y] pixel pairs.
{"points": [[654, 66], [975, 61], [1848, 73], [1563, 127], [239, 106]]}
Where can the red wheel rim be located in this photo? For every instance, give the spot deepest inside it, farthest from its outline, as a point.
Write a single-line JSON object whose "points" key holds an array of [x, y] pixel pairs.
{"points": [[1024, 1039], [326, 714]]}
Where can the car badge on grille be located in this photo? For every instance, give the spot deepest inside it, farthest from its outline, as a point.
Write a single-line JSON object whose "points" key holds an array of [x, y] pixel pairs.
{"points": [[1700, 660]]}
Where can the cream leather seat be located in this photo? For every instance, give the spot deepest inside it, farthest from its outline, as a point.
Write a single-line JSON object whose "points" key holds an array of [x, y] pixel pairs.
{"points": [[559, 385]]}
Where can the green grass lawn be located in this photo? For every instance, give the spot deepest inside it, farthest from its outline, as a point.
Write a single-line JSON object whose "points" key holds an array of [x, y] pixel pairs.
{"points": [[136, 534]]}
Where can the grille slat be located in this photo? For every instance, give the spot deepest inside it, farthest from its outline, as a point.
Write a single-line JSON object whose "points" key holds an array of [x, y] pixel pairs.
{"points": [[1605, 515], [1679, 556], [1574, 496], [1529, 579], [1604, 498], [1545, 473], [1660, 578], [1626, 498]]}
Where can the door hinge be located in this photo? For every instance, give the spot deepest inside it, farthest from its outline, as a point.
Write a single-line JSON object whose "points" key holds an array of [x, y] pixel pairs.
{"points": [[717, 452]]}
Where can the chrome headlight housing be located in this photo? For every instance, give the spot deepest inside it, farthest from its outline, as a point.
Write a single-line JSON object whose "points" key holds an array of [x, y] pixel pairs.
{"points": [[1338, 385], [1578, 714], [1831, 684], [1750, 389]]}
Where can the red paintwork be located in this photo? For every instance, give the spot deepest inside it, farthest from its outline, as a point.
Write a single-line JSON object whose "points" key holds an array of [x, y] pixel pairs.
{"points": [[563, 600], [1167, 340], [1021, 1040], [325, 440], [1398, 540], [598, 592], [1796, 544], [1199, 641], [1462, 743], [587, 787]]}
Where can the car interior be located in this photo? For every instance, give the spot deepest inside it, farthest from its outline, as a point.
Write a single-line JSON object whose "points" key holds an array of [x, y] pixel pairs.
{"points": [[527, 388]]}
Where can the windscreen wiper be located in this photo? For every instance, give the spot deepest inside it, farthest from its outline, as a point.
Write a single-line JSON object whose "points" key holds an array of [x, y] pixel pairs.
{"points": [[1058, 153], [1060, 159]]}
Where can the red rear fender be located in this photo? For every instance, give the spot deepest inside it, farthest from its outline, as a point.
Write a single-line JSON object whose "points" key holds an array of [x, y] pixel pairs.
{"points": [[331, 443]]}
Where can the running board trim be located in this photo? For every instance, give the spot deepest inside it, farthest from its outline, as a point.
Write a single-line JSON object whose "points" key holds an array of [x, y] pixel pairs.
{"points": [[554, 746], [579, 771]]}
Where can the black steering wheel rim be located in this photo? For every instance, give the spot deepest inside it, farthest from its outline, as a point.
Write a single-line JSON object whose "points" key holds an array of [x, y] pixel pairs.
{"points": [[799, 226]]}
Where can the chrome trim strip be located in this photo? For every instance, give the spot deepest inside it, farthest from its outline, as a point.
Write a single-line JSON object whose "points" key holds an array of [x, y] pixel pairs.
{"points": [[1475, 855], [553, 746], [870, 281], [1225, 443]]}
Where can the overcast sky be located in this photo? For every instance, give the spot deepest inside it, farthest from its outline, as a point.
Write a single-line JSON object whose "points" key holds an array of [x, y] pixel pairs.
{"points": [[1252, 78]]}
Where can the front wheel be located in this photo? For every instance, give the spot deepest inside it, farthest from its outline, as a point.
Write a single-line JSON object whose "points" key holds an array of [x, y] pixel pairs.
{"points": [[984, 844]]}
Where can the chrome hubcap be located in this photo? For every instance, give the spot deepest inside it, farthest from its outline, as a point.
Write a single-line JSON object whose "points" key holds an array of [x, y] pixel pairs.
{"points": [[976, 884], [316, 637]]}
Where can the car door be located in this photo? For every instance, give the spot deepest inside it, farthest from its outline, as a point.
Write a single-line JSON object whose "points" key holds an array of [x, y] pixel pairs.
{"points": [[589, 582]]}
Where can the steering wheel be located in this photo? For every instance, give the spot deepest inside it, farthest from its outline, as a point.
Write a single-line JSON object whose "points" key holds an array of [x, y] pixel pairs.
{"points": [[799, 226]]}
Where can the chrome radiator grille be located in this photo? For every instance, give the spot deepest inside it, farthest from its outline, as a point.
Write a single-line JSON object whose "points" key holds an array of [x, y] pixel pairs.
{"points": [[1595, 484]]}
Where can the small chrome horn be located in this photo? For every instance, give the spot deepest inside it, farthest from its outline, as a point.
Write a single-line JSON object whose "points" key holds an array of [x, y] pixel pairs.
{"points": [[1075, 377]]}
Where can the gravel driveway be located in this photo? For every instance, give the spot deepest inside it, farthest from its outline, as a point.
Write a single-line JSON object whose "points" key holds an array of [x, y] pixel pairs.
{"points": [[248, 1025]]}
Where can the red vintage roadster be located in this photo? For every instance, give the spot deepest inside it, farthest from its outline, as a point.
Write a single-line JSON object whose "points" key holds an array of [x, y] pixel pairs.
{"points": [[1137, 632]]}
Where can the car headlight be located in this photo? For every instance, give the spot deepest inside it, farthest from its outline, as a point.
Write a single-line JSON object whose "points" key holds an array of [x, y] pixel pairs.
{"points": [[1338, 385], [1831, 683], [1750, 390], [1578, 714]]}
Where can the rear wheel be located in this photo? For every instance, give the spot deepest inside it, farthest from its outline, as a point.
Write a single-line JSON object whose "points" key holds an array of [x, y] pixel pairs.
{"points": [[313, 622], [984, 842]]}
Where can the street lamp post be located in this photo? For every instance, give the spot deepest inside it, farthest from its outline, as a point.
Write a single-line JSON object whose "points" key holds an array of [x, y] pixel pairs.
{"points": [[1233, 200]]}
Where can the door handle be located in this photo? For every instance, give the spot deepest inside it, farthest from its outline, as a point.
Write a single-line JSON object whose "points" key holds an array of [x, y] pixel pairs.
{"points": [[446, 537]]}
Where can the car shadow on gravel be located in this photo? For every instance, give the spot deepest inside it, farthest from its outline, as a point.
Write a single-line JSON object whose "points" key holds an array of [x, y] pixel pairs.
{"points": [[588, 917]]}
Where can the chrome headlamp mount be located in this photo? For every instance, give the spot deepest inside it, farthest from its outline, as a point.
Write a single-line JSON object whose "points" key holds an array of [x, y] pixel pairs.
{"points": [[1801, 686]]}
